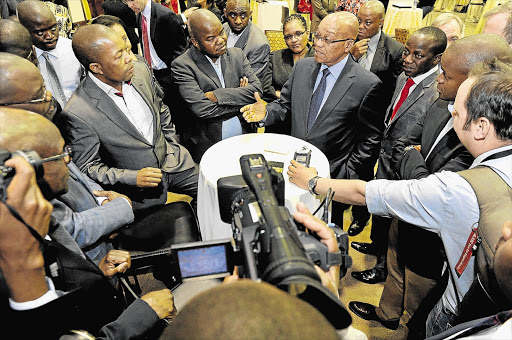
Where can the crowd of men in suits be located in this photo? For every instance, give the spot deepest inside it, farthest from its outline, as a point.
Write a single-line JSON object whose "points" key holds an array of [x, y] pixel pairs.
{"points": [[118, 132]]}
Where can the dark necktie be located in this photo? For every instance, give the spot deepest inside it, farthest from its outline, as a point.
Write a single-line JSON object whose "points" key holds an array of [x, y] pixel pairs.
{"points": [[145, 40], [316, 99], [55, 82], [403, 96]]}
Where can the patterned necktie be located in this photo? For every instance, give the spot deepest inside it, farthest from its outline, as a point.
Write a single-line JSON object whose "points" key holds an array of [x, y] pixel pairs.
{"points": [[54, 81], [317, 98], [403, 96], [145, 40]]}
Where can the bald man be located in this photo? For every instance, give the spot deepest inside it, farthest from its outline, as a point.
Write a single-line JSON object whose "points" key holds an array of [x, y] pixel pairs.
{"points": [[242, 33], [121, 133], [210, 77], [249, 310], [15, 39], [57, 62], [346, 120]]}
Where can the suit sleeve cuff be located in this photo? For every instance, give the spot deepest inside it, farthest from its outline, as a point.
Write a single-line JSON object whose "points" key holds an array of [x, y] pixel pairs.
{"points": [[50, 295]]}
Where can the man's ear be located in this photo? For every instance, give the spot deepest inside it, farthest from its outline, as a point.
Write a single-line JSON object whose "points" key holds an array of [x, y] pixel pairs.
{"points": [[437, 58], [381, 22], [483, 127], [96, 68], [194, 42]]}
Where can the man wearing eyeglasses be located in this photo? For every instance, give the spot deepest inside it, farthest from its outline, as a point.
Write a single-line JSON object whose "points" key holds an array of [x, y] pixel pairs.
{"points": [[57, 62], [214, 82], [334, 103], [242, 33]]}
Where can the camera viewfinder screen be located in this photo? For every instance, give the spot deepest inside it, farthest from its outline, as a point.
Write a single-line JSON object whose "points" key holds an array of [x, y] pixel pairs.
{"points": [[202, 261]]}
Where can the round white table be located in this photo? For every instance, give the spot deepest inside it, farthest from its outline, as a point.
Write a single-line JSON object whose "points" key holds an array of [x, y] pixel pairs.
{"points": [[223, 159]]}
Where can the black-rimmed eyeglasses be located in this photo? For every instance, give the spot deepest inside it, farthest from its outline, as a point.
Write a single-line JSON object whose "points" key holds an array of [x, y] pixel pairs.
{"points": [[66, 155], [327, 41]]}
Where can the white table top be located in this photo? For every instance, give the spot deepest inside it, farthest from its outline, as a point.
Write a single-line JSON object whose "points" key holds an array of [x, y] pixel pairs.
{"points": [[223, 159]]}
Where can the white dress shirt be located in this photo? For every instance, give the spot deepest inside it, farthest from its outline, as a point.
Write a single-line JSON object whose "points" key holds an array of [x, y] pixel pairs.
{"points": [[132, 105], [66, 66], [156, 62], [367, 59]]}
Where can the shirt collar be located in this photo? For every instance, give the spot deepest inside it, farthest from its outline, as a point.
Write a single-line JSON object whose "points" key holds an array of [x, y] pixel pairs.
{"points": [[418, 79], [239, 34], [109, 90], [451, 107], [216, 63], [336, 68], [146, 12], [483, 156], [50, 52], [374, 41]]}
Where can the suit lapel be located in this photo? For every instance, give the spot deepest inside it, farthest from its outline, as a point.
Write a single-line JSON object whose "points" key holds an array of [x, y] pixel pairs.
{"points": [[440, 117], [242, 41], [398, 89], [110, 110], [78, 176], [308, 93], [340, 88], [205, 66], [379, 53], [154, 21]]}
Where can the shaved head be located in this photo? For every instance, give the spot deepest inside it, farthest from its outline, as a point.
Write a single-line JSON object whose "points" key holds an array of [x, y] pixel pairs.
{"points": [[15, 38], [17, 74], [30, 12], [41, 24], [374, 7], [344, 22], [199, 20], [88, 41], [479, 48], [249, 310]]}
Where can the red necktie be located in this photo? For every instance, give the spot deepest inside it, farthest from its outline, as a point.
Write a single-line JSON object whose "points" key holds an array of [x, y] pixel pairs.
{"points": [[145, 40], [403, 96], [174, 6]]}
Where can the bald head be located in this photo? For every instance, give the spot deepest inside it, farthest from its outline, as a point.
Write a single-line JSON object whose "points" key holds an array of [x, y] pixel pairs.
{"points": [[374, 7], [345, 22], [237, 14], [40, 22], [335, 37], [479, 48], [201, 20], [20, 79], [88, 42], [19, 132], [249, 310], [15, 38], [244, 3]]}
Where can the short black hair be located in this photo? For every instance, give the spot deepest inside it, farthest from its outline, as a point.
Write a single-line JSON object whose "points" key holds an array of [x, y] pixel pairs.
{"points": [[437, 36]]}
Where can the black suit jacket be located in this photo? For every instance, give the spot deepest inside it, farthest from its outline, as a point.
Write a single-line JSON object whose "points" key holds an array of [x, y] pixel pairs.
{"points": [[166, 33], [348, 129], [387, 63], [449, 154], [123, 12]]}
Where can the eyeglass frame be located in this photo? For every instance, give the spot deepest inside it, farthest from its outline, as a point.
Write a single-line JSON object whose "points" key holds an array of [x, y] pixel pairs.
{"points": [[66, 152], [328, 41], [295, 35], [33, 101]]}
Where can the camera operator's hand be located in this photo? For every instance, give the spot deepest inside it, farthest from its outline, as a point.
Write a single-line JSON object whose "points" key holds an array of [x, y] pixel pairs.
{"points": [[326, 234], [116, 261], [300, 175], [21, 259], [162, 303]]}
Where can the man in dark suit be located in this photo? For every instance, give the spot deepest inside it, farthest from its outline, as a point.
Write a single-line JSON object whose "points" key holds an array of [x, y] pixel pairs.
{"points": [[242, 33], [414, 94], [162, 39], [214, 82], [74, 293], [431, 146], [382, 55], [334, 103], [120, 131]]}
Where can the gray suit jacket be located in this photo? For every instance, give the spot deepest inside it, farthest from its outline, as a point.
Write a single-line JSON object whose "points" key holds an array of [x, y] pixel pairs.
{"points": [[348, 129], [85, 220], [194, 76], [413, 109], [255, 45], [110, 150]]}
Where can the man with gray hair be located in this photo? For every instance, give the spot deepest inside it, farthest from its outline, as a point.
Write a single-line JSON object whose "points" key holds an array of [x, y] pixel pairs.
{"points": [[334, 103], [499, 21]]}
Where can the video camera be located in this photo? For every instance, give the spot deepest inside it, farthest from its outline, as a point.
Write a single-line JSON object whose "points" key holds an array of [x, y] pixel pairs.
{"points": [[7, 173]]}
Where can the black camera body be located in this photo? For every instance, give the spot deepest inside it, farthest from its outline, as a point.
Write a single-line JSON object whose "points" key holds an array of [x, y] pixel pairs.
{"points": [[7, 173]]}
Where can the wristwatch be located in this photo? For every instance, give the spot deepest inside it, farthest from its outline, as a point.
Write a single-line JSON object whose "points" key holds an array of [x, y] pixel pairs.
{"points": [[312, 185]]}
